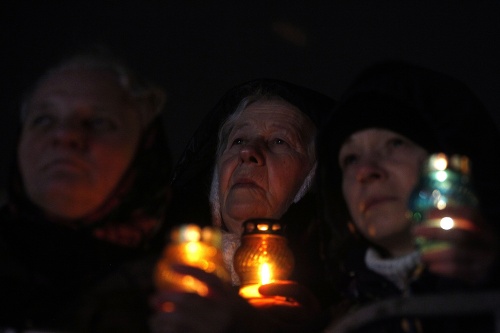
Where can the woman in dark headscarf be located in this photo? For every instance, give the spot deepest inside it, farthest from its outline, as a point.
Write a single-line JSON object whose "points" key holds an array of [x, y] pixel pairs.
{"points": [[370, 154], [88, 193], [254, 157], [194, 178]]}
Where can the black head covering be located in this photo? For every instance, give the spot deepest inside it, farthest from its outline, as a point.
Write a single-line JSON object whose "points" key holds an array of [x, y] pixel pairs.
{"points": [[63, 277], [142, 194], [434, 110], [192, 175], [53, 274]]}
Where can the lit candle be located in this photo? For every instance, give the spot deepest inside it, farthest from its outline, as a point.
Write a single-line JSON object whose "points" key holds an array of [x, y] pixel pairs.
{"points": [[265, 273], [262, 258], [252, 290], [193, 246]]}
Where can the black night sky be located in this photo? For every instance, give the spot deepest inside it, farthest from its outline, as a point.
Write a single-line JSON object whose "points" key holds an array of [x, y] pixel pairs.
{"points": [[199, 49]]}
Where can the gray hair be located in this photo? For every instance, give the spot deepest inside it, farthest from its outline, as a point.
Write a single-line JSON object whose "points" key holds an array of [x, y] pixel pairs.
{"points": [[150, 98], [223, 136]]}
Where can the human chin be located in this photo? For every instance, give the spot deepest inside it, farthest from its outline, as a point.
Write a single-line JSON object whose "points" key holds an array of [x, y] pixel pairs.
{"points": [[66, 185], [239, 209], [66, 204], [244, 207], [377, 225]]}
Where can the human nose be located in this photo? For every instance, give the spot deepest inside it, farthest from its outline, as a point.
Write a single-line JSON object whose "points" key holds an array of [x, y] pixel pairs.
{"points": [[252, 152], [69, 134], [370, 169]]}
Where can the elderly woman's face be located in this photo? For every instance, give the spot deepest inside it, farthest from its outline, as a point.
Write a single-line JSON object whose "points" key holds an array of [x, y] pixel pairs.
{"points": [[78, 138], [380, 169], [264, 163]]}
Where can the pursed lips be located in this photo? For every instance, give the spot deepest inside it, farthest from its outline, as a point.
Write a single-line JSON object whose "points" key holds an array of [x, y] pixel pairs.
{"points": [[369, 203], [69, 163], [244, 183]]}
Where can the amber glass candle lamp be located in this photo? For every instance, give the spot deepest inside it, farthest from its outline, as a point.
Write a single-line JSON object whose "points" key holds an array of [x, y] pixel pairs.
{"points": [[193, 246], [263, 257]]}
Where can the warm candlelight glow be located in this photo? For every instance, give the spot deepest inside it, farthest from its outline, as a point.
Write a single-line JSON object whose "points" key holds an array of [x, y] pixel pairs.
{"points": [[250, 291], [193, 246], [263, 227], [265, 273], [262, 258]]}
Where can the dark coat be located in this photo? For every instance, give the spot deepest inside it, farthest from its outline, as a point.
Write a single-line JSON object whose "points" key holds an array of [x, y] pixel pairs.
{"points": [[435, 111], [361, 286], [55, 277]]}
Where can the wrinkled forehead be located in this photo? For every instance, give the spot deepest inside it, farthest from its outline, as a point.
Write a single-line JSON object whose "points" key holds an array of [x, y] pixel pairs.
{"points": [[273, 113]]}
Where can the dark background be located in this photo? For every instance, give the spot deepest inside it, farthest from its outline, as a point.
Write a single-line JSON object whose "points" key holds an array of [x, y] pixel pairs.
{"points": [[197, 50]]}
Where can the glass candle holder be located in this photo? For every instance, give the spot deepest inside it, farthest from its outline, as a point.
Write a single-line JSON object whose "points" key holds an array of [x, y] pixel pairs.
{"points": [[444, 197], [193, 246], [263, 257]]}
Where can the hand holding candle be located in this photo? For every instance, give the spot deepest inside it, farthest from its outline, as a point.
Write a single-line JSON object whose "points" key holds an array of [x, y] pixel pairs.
{"points": [[250, 291], [263, 257], [444, 198], [193, 246], [449, 232]]}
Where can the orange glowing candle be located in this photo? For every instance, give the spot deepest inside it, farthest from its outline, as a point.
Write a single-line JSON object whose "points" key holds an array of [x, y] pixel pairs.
{"points": [[193, 246], [262, 258], [252, 290], [265, 273]]}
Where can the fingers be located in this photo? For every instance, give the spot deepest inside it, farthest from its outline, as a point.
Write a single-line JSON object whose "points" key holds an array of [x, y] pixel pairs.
{"points": [[292, 290], [474, 239], [468, 255], [470, 265], [213, 282], [288, 289]]}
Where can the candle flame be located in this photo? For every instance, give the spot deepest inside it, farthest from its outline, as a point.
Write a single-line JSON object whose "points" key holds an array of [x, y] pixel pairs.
{"points": [[265, 273]]}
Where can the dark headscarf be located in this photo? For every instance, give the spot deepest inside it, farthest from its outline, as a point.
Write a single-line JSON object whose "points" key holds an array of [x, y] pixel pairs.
{"points": [[141, 195], [52, 274], [193, 174], [434, 110], [64, 277]]}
